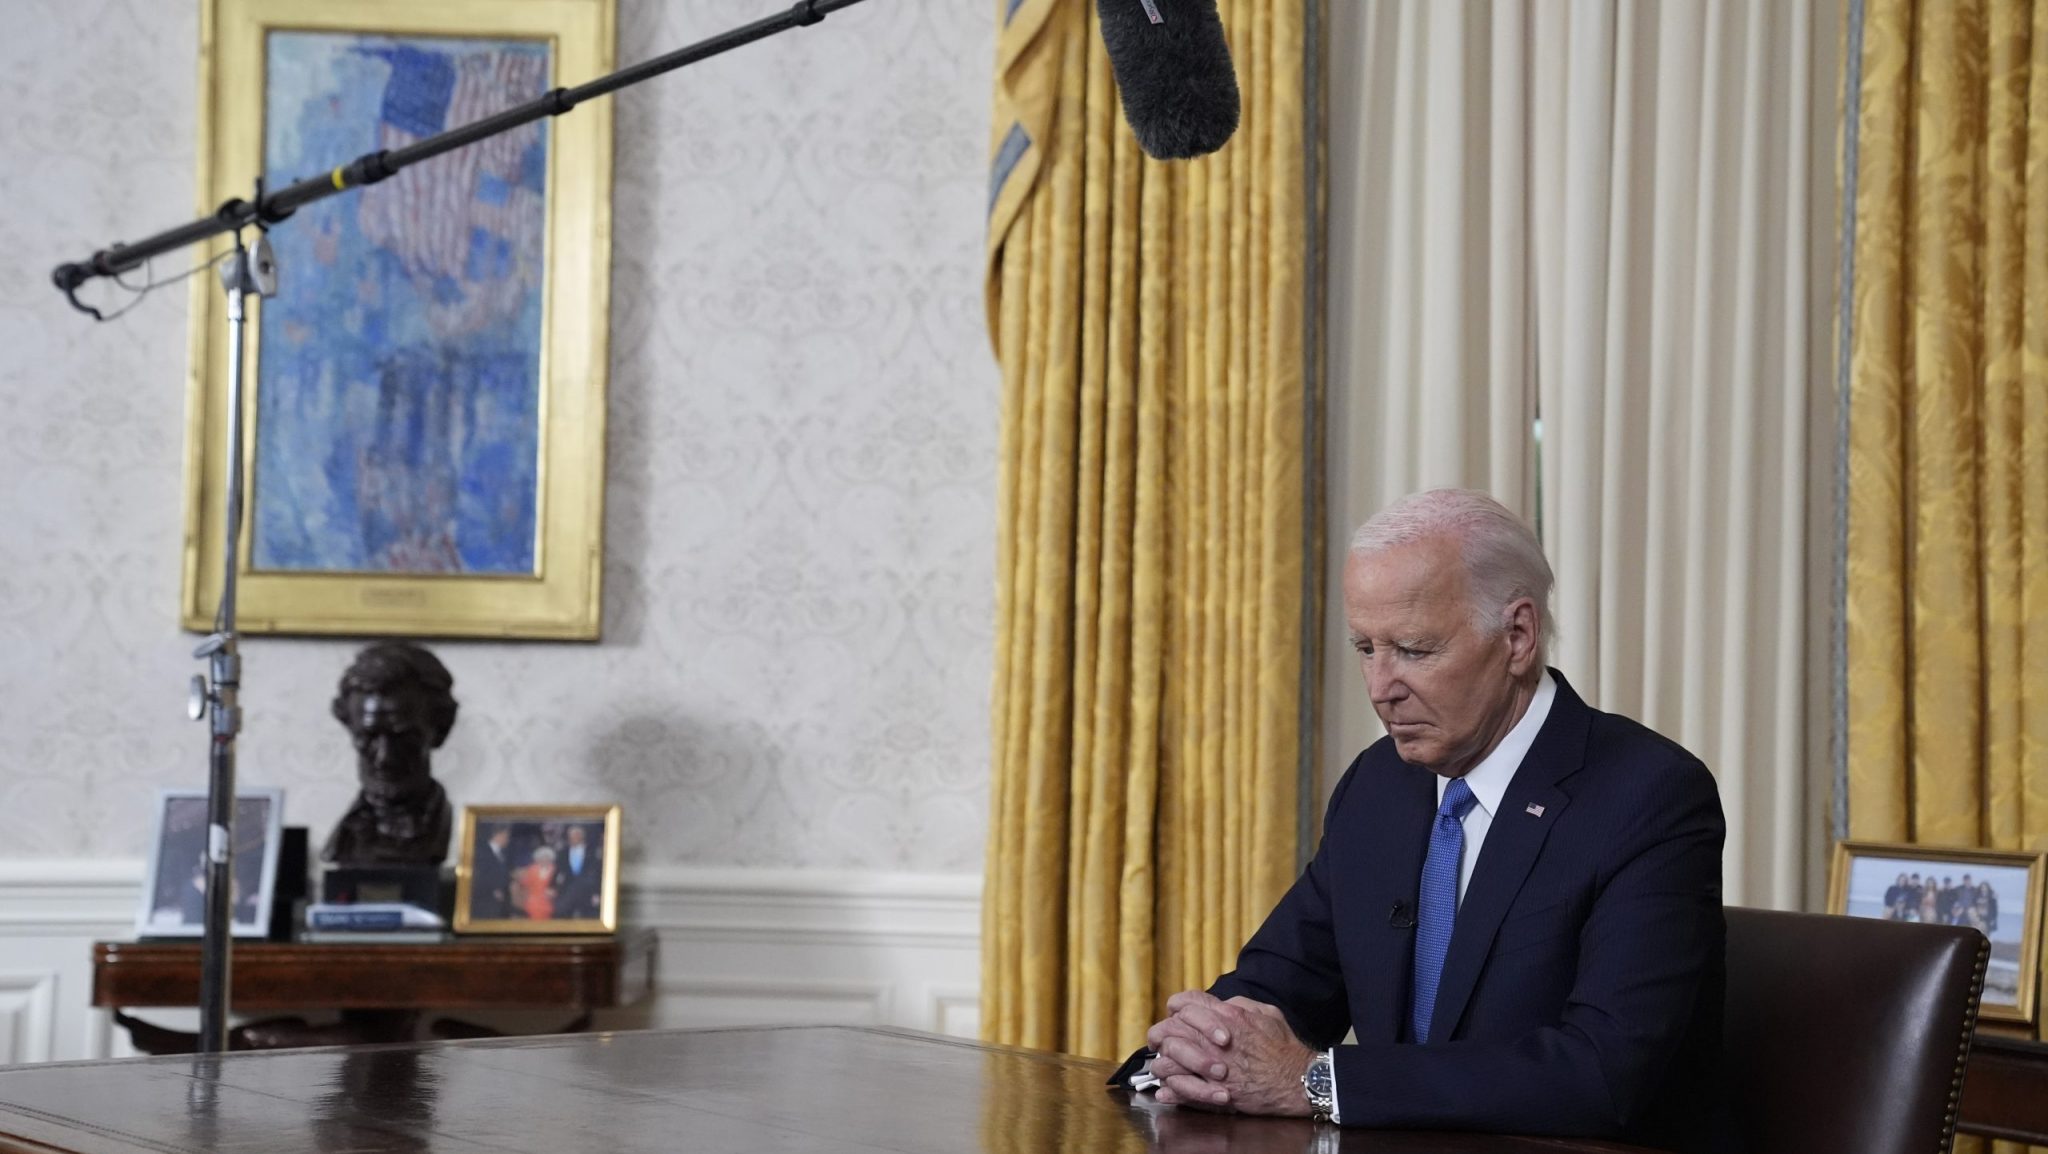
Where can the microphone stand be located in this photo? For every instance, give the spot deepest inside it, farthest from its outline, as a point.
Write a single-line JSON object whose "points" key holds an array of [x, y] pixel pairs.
{"points": [[246, 271], [252, 270]]}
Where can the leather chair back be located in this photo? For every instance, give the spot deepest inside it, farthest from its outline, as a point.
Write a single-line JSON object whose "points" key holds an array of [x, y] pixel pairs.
{"points": [[1848, 1033]]}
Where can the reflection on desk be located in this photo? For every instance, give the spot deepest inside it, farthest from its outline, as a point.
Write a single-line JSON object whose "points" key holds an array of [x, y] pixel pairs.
{"points": [[810, 1089]]}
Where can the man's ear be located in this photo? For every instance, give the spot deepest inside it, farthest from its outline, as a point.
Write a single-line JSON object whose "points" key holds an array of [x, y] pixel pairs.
{"points": [[1523, 631]]}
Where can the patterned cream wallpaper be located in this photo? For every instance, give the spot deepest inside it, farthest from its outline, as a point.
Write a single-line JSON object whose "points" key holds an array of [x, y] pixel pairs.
{"points": [[799, 582]]}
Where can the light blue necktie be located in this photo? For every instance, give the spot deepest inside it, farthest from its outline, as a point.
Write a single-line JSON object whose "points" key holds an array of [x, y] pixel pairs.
{"points": [[1438, 906]]}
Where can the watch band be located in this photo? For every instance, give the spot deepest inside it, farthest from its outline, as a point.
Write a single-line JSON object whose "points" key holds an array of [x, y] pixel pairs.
{"points": [[1318, 1084]]}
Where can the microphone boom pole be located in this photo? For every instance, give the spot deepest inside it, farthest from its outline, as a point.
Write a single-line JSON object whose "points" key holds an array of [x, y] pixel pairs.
{"points": [[252, 271]]}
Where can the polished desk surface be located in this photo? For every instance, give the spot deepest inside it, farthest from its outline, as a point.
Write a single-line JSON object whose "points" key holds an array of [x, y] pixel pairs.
{"points": [[589, 971], [826, 1089]]}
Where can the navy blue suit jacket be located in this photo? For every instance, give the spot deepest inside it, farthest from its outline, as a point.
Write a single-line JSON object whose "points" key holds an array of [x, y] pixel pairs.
{"points": [[1582, 993]]}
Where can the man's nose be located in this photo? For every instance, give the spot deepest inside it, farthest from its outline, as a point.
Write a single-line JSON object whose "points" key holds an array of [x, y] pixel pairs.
{"points": [[1381, 683]]}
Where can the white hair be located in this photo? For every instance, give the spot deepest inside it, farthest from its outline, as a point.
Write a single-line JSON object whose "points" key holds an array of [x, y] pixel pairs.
{"points": [[1503, 560]]}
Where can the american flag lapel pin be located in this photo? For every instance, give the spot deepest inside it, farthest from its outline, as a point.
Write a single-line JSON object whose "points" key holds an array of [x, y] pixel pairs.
{"points": [[1534, 810]]}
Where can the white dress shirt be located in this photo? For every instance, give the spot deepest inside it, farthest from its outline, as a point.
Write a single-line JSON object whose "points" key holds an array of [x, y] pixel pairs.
{"points": [[1489, 783], [1489, 779]]}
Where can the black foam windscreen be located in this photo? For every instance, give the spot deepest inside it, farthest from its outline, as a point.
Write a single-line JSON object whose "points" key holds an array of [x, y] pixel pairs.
{"points": [[1172, 64]]}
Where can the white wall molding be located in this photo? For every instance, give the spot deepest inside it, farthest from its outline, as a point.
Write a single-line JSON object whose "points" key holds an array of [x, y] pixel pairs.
{"points": [[97, 896], [28, 1015], [954, 1009], [753, 1001], [745, 881], [738, 947], [783, 946], [808, 907]]}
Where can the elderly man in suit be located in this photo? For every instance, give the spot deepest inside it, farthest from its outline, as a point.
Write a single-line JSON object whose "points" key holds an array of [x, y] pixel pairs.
{"points": [[1516, 904], [491, 878], [580, 874]]}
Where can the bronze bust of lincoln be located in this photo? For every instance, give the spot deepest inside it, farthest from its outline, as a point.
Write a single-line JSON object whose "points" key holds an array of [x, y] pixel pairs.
{"points": [[397, 703]]}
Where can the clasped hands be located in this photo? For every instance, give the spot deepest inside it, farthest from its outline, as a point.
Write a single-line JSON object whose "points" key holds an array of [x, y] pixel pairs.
{"points": [[1237, 1055]]}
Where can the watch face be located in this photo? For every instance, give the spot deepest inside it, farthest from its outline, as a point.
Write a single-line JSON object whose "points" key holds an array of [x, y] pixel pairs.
{"points": [[1318, 1078]]}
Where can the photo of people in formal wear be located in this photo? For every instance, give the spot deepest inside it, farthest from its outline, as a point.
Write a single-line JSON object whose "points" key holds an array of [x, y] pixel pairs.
{"points": [[547, 870], [1985, 896], [175, 898]]}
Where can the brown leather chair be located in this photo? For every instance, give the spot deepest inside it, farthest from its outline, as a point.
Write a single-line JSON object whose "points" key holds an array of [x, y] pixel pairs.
{"points": [[1848, 1034]]}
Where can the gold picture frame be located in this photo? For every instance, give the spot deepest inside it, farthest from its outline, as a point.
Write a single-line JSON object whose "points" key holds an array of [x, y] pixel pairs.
{"points": [[519, 871], [1897, 881], [492, 538]]}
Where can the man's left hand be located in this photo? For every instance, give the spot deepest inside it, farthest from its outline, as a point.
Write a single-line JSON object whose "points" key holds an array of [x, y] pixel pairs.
{"points": [[1262, 1062]]}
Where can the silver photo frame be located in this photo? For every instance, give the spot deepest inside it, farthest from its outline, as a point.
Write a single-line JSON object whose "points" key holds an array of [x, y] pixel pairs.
{"points": [[174, 876]]}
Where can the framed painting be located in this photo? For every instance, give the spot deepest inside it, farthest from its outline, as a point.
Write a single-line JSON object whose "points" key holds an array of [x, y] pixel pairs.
{"points": [[425, 396], [538, 869], [1994, 892]]}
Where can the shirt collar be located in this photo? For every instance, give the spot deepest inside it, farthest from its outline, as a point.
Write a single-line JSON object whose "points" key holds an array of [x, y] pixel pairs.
{"points": [[1489, 779]]}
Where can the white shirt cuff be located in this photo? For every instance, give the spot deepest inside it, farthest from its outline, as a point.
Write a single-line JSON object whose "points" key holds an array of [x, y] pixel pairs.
{"points": [[1336, 1107]]}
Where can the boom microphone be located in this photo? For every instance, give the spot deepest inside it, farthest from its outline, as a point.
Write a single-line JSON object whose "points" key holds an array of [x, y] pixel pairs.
{"points": [[1173, 66]]}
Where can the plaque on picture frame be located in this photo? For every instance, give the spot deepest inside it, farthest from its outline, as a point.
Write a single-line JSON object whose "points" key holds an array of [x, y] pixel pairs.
{"points": [[538, 869]]}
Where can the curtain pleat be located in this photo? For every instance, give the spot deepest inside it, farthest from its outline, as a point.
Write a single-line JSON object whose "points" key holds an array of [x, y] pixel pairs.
{"points": [[1148, 692], [1596, 213], [1875, 614], [1947, 614]]}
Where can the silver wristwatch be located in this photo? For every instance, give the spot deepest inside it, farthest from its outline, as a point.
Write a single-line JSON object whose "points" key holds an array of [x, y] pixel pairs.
{"points": [[1320, 1084]]}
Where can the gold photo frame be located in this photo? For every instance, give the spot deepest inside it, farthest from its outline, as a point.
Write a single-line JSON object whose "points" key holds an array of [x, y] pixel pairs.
{"points": [[425, 399], [1996, 892], [538, 869]]}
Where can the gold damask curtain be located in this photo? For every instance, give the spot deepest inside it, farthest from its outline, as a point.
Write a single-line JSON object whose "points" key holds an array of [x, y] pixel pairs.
{"points": [[1148, 709], [1947, 627]]}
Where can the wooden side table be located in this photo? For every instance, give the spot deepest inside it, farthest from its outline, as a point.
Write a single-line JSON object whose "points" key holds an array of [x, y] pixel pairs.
{"points": [[380, 988], [2005, 1089]]}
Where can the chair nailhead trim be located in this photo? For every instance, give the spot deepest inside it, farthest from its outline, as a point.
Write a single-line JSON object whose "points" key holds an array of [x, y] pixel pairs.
{"points": [[1955, 1086]]}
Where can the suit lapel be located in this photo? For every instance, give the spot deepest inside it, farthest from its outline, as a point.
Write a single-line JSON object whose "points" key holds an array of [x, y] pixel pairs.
{"points": [[1528, 811], [1397, 844]]}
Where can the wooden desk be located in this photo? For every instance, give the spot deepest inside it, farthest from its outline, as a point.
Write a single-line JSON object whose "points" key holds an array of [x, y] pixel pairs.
{"points": [[825, 1089], [2005, 1089], [380, 987]]}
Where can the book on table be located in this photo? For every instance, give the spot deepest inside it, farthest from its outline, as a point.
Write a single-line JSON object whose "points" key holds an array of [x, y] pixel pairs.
{"points": [[372, 917], [374, 937]]}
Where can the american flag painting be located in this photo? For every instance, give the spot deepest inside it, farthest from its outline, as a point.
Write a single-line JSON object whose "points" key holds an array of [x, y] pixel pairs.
{"points": [[398, 400]]}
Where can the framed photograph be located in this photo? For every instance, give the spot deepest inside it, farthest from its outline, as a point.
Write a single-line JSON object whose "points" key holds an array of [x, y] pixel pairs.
{"points": [[538, 869], [1995, 892], [425, 396], [174, 890]]}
